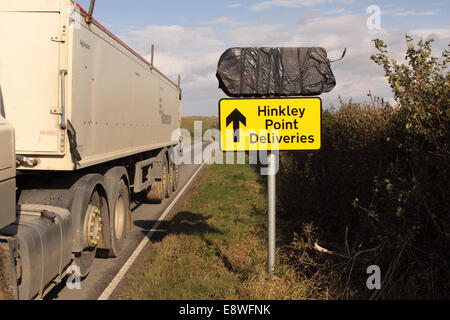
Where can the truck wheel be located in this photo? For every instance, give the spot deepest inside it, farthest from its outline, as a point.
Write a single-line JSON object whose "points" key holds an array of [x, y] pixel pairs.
{"points": [[155, 193], [170, 179], [118, 218], [91, 233], [176, 176], [158, 189]]}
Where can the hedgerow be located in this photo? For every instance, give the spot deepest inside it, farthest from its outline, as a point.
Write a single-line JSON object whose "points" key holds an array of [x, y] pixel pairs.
{"points": [[378, 192]]}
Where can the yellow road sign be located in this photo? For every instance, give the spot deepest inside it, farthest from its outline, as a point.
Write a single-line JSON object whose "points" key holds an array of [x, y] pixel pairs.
{"points": [[286, 124]]}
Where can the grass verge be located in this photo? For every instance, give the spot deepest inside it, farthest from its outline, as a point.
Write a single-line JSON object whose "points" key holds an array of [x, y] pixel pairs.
{"points": [[215, 247]]}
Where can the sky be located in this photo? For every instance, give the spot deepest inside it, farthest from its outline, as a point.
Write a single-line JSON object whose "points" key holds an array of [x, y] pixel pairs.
{"points": [[190, 36]]}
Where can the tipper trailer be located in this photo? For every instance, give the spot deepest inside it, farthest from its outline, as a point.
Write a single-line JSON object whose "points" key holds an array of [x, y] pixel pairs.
{"points": [[85, 122]]}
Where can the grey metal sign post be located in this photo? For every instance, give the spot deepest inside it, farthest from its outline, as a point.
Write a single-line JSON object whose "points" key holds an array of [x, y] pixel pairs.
{"points": [[272, 125], [271, 212]]}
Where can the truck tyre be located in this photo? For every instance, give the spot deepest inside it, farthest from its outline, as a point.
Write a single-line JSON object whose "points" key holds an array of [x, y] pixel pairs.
{"points": [[176, 176], [170, 179], [166, 178], [92, 233], [118, 218], [155, 193], [158, 189], [173, 173]]}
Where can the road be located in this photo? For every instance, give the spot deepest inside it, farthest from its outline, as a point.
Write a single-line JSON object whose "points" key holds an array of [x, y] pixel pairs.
{"points": [[144, 217]]}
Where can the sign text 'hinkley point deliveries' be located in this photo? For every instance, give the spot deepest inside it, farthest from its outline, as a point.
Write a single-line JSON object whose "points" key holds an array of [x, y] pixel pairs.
{"points": [[285, 124]]}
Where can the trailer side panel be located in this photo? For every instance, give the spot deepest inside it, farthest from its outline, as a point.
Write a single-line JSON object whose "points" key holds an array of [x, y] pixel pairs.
{"points": [[59, 72], [118, 104]]}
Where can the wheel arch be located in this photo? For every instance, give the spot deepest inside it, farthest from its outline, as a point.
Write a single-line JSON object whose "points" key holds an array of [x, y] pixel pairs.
{"points": [[82, 191]]}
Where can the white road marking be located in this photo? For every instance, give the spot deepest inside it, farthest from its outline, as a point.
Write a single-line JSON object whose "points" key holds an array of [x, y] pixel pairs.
{"points": [[115, 282]]}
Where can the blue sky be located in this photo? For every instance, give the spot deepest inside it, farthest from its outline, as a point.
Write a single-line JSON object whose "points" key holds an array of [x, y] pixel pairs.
{"points": [[191, 35]]}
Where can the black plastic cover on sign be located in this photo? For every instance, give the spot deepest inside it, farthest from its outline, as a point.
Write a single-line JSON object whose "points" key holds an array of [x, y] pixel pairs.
{"points": [[258, 72]]}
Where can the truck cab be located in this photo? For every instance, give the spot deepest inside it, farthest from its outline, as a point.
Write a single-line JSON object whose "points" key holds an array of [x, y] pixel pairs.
{"points": [[7, 171], [7, 204]]}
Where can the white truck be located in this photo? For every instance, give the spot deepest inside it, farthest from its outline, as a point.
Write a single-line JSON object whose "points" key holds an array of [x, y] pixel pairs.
{"points": [[85, 122]]}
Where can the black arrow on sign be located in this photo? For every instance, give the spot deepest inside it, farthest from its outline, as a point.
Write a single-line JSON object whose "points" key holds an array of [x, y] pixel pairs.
{"points": [[236, 117]]}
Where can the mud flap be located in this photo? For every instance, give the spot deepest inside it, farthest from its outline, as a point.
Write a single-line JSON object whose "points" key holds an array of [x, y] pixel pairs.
{"points": [[8, 277], [72, 135]]}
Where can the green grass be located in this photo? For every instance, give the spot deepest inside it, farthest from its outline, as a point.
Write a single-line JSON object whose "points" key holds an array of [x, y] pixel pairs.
{"points": [[215, 247], [207, 123]]}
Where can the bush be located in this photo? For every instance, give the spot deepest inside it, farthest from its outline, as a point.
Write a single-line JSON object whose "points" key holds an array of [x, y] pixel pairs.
{"points": [[378, 192]]}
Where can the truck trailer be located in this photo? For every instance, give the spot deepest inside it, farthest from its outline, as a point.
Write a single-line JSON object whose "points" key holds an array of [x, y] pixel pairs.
{"points": [[85, 123]]}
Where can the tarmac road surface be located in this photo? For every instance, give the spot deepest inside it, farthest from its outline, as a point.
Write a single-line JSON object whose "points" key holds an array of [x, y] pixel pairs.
{"points": [[144, 216]]}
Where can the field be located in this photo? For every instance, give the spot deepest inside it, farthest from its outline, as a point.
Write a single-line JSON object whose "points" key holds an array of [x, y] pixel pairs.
{"points": [[207, 123]]}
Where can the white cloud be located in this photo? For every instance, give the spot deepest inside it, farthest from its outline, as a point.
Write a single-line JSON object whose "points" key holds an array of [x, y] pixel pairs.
{"points": [[308, 15], [235, 5], [194, 52], [287, 3], [265, 5], [439, 33], [220, 21], [405, 13], [335, 11]]}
